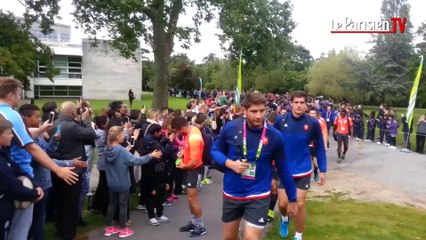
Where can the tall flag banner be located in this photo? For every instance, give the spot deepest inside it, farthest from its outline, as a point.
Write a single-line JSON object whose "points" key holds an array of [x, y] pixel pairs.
{"points": [[201, 85], [413, 95], [239, 86], [240, 76], [237, 96]]}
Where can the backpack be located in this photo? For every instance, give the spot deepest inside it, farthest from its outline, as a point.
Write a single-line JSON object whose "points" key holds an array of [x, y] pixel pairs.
{"points": [[208, 142]]}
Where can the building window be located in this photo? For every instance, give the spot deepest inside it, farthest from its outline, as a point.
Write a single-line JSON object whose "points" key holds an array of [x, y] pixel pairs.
{"points": [[68, 66], [41, 91]]}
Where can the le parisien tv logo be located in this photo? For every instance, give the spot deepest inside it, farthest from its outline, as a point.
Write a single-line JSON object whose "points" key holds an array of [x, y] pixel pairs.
{"points": [[348, 25]]}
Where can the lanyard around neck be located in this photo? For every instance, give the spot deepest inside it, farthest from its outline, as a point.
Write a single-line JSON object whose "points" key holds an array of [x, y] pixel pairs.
{"points": [[262, 137]]}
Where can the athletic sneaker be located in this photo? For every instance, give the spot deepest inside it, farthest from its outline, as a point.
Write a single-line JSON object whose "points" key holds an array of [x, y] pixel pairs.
{"points": [[392, 147], [387, 144], [198, 231], [316, 178], [174, 196], [188, 227], [271, 216], [110, 231], [339, 160], [343, 157], [163, 219], [379, 143], [141, 207], [207, 181], [153, 222], [297, 238], [284, 227], [125, 233], [167, 203]]}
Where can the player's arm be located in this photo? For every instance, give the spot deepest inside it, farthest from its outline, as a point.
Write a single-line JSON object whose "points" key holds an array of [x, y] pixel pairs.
{"points": [[319, 146], [284, 170]]}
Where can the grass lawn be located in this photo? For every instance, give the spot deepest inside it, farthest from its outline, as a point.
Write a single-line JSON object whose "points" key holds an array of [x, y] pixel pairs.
{"points": [[333, 218], [400, 138], [97, 105]]}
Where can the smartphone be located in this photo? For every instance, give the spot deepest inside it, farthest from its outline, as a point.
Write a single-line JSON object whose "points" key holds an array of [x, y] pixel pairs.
{"points": [[51, 117], [132, 141]]}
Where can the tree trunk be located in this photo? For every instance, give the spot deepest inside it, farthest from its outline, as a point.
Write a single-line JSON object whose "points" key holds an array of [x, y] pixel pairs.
{"points": [[161, 63]]}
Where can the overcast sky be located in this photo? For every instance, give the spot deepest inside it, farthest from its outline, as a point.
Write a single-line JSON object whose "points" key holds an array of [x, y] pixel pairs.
{"points": [[313, 19]]}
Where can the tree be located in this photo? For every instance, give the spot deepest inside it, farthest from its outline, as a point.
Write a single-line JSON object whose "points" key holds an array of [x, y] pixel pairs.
{"points": [[328, 76], [260, 30], [421, 99], [182, 73], [19, 51], [155, 21], [392, 53]]}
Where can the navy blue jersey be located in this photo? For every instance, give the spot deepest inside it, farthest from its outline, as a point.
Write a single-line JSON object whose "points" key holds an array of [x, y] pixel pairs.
{"points": [[229, 145], [297, 136]]}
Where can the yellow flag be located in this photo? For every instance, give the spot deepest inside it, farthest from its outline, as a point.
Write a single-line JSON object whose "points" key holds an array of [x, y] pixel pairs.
{"points": [[240, 76], [413, 95]]}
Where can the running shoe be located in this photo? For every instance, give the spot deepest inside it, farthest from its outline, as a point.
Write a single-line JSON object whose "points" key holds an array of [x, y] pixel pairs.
{"points": [[207, 181], [284, 227], [109, 231], [188, 227], [198, 231], [343, 157], [339, 160], [163, 219], [125, 233], [271, 216], [153, 222]]}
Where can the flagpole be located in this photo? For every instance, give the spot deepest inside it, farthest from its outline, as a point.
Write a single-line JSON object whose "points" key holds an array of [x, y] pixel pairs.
{"points": [[412, 104]]}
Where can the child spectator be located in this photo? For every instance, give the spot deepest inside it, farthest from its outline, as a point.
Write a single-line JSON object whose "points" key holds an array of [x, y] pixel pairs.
{"points": [[11, 188], [158, 174], [117, 161], [100, 199], [392, 127], [371, 126]]}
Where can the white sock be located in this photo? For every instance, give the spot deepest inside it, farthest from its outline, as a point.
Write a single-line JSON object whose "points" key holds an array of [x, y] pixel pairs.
{"points": [[285, 218], [298, 235]]}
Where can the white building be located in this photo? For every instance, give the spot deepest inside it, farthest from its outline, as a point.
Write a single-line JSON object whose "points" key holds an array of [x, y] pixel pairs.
{"points": [[91, 72]]}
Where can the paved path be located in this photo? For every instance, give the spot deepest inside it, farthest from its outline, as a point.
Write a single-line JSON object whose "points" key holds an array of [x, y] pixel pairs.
{"points": [[211, 200], [375, 163]]}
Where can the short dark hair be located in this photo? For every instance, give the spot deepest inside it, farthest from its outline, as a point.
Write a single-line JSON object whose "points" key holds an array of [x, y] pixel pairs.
{"points": [[254, 98], [154, 128], [100, 120], [189, 105], [27, 110], [178, 123], [177, 113], [298, 94], [49, 106], [200, 118], [4, 125], [9, 85], [115, 105]]}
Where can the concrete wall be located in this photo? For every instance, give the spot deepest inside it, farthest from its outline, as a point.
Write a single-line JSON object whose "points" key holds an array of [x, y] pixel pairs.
{"points": [[107, 75]]}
